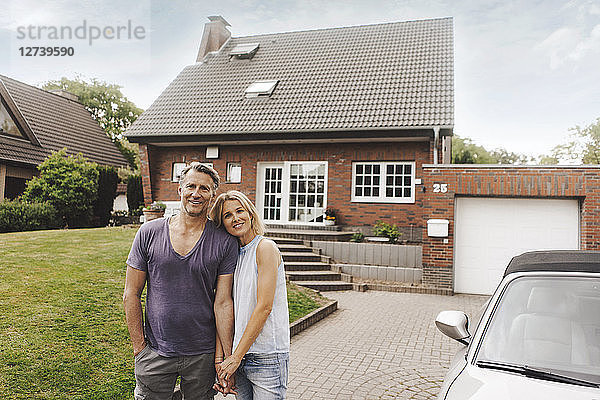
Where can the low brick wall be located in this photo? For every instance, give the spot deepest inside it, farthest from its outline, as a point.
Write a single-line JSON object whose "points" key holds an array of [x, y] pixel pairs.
{"points": [[387, 255], [310, 319], [388, 274]]}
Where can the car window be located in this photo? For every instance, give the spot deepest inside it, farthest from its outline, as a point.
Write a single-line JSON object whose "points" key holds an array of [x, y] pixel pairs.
{"points": [[547, 322]]}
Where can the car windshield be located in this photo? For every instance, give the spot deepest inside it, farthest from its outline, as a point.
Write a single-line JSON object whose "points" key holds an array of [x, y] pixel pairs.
{"points": [[549, 323]]}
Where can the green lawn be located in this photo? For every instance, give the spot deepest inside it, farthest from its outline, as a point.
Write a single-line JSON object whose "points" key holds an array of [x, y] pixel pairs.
{"points": [[62, 328]]}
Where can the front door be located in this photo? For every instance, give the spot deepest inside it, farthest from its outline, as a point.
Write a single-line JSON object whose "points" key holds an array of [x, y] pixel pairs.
{"points": [[292, 192], [272, 194]]}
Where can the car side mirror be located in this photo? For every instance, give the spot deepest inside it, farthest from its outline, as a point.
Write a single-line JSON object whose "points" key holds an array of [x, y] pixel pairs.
{"points": [[455, 325]]}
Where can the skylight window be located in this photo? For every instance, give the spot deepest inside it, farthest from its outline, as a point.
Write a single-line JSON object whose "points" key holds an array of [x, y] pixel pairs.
{"points": [[261, 88], [246, 50]]}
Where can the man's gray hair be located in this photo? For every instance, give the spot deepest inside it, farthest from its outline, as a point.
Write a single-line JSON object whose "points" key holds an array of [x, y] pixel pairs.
{"points": [[205, 169]]}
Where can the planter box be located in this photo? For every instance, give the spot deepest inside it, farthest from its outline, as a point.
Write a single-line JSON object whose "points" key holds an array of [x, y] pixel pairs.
{"points": [[381, 254], [150, 215]]}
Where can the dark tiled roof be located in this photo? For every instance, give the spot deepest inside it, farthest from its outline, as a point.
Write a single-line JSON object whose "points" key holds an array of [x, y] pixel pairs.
{"points": [[57, 123], [395, 75]]}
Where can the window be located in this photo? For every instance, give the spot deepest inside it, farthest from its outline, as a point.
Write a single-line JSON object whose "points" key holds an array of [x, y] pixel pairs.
{"points": [[7, 125], [246, 50], [383, 182], [177, 168], [180, 166], [234, 172], [261, 88]]}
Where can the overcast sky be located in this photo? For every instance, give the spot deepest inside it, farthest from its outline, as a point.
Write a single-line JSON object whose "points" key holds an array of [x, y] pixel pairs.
{"points": [[525, 71]]}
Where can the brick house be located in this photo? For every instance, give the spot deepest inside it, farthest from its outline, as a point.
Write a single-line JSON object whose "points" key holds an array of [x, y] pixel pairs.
{"points": [[34, 122], [301, 121], [360, 119]]}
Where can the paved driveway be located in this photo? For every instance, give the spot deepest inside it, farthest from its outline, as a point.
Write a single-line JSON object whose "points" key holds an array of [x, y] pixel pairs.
{"points": [[378, 345]]}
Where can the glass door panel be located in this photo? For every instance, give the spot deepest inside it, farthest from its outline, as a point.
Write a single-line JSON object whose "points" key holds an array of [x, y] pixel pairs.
{"points": [[307, 192], [272, 194]]}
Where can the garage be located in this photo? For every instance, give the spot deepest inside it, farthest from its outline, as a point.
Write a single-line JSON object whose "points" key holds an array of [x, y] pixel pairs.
{"points": [[490, 231]]}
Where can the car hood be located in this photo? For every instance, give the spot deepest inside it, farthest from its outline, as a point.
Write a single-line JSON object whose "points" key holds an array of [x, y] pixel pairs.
{"points": [[476, 383]]}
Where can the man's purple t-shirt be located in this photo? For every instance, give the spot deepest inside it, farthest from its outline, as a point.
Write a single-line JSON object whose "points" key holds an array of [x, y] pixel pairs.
{"points": [[181, 289]]}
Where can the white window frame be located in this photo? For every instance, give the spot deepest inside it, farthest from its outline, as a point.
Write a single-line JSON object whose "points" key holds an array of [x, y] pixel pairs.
{"points": [[261, 88], [382, 198], [177, 167], [176, 171], [230, 167]]}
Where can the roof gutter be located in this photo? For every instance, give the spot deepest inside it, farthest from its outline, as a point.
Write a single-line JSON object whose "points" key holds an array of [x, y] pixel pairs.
{"points": [[335, 135], [436, 140], [443, 130]]}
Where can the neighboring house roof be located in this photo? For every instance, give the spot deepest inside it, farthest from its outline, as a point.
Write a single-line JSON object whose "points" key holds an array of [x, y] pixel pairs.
{"points": [[51, 122], [386, 76]]}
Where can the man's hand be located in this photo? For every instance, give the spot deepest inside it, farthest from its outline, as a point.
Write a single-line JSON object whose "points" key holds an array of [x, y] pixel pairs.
{"points": [[137, 348], [135, 280], [224, 386]]}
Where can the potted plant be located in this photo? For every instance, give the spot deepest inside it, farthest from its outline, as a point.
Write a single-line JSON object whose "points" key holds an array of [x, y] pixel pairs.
{"points": [[154, 210], [329, 216]]}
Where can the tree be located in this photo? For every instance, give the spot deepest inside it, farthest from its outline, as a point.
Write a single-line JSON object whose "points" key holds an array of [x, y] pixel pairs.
{"points": [[69, 184], [583, 146], [107, 191], [135, 194], [108, 106], [464, 151]]}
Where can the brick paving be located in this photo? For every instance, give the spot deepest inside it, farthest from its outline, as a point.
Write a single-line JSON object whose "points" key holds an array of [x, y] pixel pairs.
{"points": [[377, 345]]}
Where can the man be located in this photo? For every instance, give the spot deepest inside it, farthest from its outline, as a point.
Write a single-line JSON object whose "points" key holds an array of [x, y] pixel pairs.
{"points": [[187, 264]]}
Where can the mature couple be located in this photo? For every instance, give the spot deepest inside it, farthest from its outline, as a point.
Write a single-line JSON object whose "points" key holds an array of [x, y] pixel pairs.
{"points": [[193, 328]]}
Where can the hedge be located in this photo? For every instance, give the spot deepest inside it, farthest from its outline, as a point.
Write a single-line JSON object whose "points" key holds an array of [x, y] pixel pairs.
{"points": [[135, 194], [16, 216], [107, 191], [69, 183]]}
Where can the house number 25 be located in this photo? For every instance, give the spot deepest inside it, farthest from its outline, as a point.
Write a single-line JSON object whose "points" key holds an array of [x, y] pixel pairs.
{"points": [[440, 187]]}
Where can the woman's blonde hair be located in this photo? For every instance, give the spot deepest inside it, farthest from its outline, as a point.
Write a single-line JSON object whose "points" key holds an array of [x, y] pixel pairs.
{"points": [[216, 212]]}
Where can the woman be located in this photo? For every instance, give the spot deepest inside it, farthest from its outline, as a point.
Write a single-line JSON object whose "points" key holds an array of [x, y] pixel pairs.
{"points": [[262, 338]]}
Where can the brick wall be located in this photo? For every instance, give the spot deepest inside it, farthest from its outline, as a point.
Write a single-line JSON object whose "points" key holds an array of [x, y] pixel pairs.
{"points": [[582, 183], [157, 172]]}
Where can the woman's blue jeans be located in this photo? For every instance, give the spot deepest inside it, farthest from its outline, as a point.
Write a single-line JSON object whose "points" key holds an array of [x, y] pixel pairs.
{"points": [[262, 376]]}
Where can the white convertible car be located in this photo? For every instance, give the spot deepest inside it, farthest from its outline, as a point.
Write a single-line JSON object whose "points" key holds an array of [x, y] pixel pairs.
{"points": [[538, 337]]}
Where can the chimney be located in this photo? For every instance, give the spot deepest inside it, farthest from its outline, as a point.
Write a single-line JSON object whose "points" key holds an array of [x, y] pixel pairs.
{"points": [[214, 36], [65, 94]]}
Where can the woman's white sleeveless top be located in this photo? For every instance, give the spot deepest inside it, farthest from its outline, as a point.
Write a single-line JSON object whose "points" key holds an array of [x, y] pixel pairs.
{"points": [[275, 335]]}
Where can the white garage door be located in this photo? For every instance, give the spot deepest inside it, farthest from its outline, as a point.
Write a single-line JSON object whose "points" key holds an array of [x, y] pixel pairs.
{"points": [[490, 231]]}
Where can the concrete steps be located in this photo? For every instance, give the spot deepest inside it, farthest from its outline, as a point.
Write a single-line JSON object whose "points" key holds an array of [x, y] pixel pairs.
{"points": [[309, 235], [295, 248], [306, 267], [298, 256], [326, 286], [298, 276]]}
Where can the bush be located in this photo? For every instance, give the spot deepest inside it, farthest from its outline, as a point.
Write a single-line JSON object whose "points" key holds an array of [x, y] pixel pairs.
{"points": [[357, 237], [384, 229], [107, 191], [16, 216], [135, 194], [69, 184]]}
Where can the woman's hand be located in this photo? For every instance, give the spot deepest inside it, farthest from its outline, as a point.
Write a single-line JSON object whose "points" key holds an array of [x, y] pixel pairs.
{"points": [[229, 366]]}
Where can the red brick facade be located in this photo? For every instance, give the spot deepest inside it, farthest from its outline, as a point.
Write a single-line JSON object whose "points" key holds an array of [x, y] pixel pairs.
{"points": [[157, 173], [582, 183]]}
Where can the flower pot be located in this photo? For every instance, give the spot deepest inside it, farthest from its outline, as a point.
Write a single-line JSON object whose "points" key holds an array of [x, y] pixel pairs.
{"points": [[329, 222], [149, 215]]}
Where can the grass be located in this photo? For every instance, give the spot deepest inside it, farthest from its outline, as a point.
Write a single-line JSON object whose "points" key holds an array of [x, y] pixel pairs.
{"points": [[62, 327], [301, 301]]}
